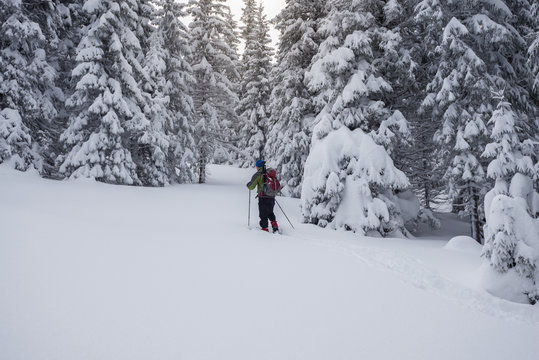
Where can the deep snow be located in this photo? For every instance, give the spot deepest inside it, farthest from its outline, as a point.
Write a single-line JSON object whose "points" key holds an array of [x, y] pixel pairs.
{"points": [[96, 271]]}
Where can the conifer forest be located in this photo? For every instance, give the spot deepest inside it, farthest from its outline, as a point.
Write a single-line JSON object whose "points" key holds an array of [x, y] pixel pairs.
{"points": [[376, 114]]}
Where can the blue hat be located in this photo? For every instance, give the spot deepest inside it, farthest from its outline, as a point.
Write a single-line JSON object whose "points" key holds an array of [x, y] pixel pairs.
{"points": [[259, 163]]}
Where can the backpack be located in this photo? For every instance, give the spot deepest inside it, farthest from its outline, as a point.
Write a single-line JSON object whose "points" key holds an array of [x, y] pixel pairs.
{"points": [[271, 183]]}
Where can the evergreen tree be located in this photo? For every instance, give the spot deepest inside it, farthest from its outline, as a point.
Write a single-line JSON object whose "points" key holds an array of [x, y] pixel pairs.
{"points": [[347, 78], [533, 51], [106, 118], [255, 90], [350, 183], [214, 66], [351, 89], [176, 80], [510, 239], [232, 37], [509, 154], [533, 63], [153, 149], [292, 106], [502, 37], [145, 12], [421, 162], [68, 23], [16, 144], [478, 49], [27, 81], [427, 162], [164, 150], [392, 47], [456, 96], [409, 67], [147, 142], [226, 151]]}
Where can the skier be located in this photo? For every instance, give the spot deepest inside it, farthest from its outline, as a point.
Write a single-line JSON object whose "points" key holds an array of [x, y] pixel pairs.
{"points": [[265, 202]]}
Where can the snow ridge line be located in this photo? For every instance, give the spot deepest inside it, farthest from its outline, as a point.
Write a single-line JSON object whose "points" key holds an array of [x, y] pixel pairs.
{"points": [[413, 272]]}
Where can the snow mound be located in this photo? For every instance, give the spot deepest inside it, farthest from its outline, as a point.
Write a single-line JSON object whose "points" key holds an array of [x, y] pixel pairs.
{"points": [[464, 244], [509, 285], [6, 170]]}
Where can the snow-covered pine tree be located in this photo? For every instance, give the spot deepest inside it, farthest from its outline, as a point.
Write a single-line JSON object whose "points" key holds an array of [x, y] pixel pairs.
{"points": [[479, 49], [428, 162], [153, 147], [148, 142], [501, 34], [214, 68], [144, 13], [393, 60], [292, 106], [511, 234], [246, 128], [16, 143], [27, 81], [105, 102], [54, 19], [409, 69], [533, 63], [422, 162], [255, 89], [164, 147], [533, 52], [456, 99], [509, 154], [232, 38], [346, 76], [226, 151], [173, 79], [349, 184], [405, 65], [351, 90], [66, 31]]}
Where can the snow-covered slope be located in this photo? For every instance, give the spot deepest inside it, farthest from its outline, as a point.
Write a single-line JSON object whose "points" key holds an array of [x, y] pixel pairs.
{"points": [[94, 271]]}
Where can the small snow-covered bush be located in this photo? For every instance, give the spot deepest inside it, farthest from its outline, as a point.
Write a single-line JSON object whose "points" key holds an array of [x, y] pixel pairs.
{"points": [[16, 145], [350, 183], [512, 244]]}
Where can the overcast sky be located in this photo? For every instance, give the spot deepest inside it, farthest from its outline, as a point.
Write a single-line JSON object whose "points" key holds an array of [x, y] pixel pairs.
{"points": [[271, 8]]}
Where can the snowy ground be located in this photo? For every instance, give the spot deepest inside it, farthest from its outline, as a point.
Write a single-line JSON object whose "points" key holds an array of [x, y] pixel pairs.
{"points": [[94, 271]]}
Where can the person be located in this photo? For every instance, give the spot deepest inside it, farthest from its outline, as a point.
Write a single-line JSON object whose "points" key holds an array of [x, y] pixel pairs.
{"points": [[265, 201]]}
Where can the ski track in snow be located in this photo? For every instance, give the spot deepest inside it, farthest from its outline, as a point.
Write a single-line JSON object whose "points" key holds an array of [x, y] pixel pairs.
{"points": [[413, 272]]}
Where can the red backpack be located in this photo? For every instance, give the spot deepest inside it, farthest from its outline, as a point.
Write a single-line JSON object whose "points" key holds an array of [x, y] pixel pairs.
{"points": [[271, 183]]}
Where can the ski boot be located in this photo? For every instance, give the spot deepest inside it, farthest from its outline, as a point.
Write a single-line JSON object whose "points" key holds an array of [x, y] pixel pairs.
{"points": [[274, 226]]}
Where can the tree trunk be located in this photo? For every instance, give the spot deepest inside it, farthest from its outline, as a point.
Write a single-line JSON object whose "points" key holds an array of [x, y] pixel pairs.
{"points": [[479, 222], [202, 171], [475, 216], [427, 195]]}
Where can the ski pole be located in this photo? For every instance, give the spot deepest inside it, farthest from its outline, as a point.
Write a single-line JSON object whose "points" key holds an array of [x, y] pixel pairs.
{"points": [[249, 214], [284, 214]]}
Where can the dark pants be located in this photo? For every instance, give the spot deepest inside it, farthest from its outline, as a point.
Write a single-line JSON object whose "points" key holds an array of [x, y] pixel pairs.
{"points": [[265, 210]]}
